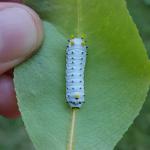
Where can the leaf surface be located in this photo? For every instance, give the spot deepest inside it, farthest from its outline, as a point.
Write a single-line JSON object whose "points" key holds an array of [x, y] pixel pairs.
{"points": [[117, 76]]}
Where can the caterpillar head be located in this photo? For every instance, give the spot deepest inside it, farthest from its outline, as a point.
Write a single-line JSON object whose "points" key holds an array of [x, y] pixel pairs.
{"points": [[77, 42]]}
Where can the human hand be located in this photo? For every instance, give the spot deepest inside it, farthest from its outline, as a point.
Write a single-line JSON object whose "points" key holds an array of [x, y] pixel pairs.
{"points": [[21, 33]]}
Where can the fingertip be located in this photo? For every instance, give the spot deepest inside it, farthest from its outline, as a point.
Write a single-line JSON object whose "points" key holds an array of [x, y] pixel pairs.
{"points": [[22, 28], [16, 1], [8, 101]]}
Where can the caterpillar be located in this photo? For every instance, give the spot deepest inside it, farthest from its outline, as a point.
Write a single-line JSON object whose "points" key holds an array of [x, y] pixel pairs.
{"points": [[75, 65]]}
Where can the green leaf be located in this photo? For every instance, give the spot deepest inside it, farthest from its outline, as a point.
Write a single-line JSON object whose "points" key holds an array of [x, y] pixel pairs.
{"points": [[117, 76], [138, 135], [140, 12]]}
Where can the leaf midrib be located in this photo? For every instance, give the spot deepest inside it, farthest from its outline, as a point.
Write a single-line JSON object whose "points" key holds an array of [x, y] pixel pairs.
{"points": [[71, 142]]}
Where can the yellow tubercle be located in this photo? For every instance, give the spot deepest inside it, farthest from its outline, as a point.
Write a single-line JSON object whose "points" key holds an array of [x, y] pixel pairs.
{"points": [[77, 95], [71, 43], [83, 36], [72, 36]]}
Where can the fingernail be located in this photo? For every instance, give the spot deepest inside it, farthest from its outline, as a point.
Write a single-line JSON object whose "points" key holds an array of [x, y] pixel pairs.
{"points": [[21, 33]]}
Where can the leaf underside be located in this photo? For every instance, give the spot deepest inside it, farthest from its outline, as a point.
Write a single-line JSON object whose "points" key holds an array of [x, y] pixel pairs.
{"points": [[117, 76]]}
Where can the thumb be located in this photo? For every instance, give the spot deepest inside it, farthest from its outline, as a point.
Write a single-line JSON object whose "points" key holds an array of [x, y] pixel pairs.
{"points": [[21, 33]]}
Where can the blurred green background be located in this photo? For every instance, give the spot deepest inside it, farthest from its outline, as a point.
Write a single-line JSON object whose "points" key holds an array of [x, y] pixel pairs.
{"points": [[12, 132]]}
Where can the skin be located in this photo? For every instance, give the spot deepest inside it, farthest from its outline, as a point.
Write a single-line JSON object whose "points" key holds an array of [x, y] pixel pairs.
{"points": [[21, 33]]}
